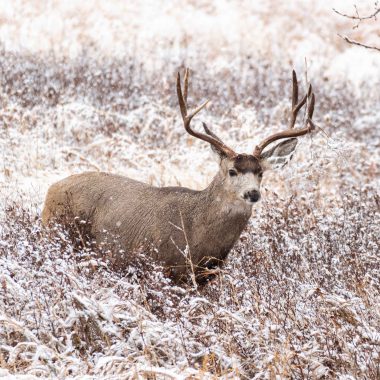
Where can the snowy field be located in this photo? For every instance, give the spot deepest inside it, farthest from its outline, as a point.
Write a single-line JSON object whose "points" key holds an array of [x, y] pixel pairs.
{"points": [[91, 86]]}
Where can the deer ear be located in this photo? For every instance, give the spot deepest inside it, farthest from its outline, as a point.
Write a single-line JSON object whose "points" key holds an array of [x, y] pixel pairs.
{"points": [[220, 153], [279, 155]]}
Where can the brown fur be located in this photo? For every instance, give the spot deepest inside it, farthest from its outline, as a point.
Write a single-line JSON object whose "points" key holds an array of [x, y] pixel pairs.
{"points": [[140, 214], [246, 163]]}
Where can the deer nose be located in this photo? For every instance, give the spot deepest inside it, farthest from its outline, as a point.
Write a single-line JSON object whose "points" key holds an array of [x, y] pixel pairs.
{"points": [[252, 196]]}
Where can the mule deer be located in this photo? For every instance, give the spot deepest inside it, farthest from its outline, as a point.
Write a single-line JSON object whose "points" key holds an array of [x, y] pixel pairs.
{"points": [[188, 227]]}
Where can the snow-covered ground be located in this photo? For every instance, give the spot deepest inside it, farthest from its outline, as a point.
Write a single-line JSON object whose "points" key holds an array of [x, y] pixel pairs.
{"points": [[91, 86]]}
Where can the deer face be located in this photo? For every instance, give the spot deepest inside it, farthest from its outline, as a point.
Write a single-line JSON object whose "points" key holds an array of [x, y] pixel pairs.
{"points": [[243, 172], [243, 175]]}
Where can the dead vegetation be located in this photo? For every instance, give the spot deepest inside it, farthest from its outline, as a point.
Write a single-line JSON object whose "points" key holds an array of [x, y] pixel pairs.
{"points": [[298, 297]]}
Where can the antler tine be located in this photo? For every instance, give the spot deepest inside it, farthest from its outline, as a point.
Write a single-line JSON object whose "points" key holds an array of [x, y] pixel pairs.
{"points": [[186, 84], [310, 111], [295, 89], [296, 106], [291, 131], [310, 108], [182, 100], [209, 132]]}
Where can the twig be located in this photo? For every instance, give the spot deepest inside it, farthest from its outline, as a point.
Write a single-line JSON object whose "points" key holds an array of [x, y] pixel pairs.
{"points": [[358, 17], [353, 42], [190, 259], [359, 20], [307, 99], [186, 253]]}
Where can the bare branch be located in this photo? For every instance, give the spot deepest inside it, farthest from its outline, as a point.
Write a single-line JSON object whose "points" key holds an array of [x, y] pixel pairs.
{"points": [[353, 42], [358, 17]]}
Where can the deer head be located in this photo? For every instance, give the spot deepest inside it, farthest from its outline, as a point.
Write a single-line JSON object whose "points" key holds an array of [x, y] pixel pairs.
{"points": [[241, 173]]}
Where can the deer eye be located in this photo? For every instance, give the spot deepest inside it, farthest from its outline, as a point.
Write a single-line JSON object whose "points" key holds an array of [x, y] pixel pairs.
{"points": [[232, 173], [260, 175]]}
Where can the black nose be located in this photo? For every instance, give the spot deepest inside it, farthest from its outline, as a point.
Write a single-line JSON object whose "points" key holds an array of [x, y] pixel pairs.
{"points": [[252, 195]]}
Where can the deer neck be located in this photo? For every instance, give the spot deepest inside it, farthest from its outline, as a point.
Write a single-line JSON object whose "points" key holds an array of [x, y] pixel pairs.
{"points": [[219, 219]]}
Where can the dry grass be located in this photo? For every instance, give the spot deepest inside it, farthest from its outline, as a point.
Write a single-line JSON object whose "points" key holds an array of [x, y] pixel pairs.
{"points": [[298, 296]]}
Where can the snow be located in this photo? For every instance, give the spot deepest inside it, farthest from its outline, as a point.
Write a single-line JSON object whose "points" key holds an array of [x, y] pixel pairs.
{"points": [[91, 86]]}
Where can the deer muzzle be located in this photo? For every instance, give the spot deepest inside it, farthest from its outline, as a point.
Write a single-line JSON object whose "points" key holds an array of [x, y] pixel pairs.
{"points": [[252, 196]]}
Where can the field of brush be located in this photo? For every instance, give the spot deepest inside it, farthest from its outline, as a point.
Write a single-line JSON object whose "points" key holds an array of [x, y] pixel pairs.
{"points": [[91, 86]]}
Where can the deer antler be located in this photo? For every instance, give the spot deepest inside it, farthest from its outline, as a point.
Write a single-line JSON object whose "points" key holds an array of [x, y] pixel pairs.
{"points": [[182, 100], [291, 131]]}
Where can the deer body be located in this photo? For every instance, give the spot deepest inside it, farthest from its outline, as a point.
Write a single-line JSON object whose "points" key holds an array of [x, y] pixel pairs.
{"points": [[189, 228], [169, 218]]}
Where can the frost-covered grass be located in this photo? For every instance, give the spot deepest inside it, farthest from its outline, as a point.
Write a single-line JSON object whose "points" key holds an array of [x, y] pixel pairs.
{"points": [[298, 296]]}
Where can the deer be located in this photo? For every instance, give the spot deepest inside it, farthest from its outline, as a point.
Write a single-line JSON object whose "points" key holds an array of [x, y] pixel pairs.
{"points": [[190, 229]]}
